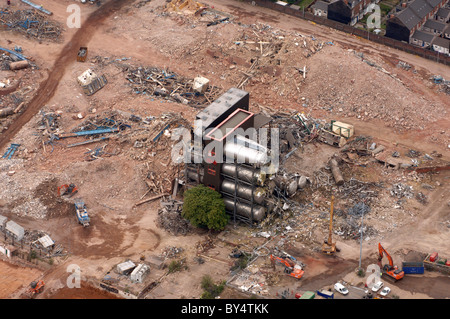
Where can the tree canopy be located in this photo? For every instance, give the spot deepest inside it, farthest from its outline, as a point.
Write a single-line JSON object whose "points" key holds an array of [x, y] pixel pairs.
{"points": [[204, 207]]}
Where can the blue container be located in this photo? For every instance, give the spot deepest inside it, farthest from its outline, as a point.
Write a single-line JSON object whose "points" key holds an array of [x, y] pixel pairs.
{"points": [[413, 268]]}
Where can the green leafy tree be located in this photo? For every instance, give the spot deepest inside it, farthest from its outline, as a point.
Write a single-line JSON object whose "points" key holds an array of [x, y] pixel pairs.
{"points": [[204, 207]]}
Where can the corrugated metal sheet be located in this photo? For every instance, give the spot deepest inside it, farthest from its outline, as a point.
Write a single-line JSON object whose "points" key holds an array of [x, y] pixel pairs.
{"points": [[46, 241], [139, 273], [125, 266], [3, 220], [15, 229]]}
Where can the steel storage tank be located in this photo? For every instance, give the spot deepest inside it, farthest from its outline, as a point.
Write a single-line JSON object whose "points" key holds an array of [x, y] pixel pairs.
{"points": [[245, 154], [259, 212], [286, 185], [244, 191], [245, 174], [195, 176]]}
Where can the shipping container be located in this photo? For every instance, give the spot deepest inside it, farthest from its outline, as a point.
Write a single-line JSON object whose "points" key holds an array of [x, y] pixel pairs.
{"points": [[325, 294], [413, 270], [308, 295], [442, 261], [434, 257], [342, 129]]}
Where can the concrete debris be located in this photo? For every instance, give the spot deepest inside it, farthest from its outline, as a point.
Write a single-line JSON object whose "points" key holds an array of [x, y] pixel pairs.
{"points": [[205, 245], [170, 86], [170, 219], [400, 190], [171, 252]]}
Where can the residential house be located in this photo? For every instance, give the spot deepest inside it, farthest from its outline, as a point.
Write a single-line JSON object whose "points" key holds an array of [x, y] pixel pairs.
{"points": [[411, 17], [320, 8], [434, 27], [443, 15], [446, 33], [348, 11], [441, 45], [422, 39]]}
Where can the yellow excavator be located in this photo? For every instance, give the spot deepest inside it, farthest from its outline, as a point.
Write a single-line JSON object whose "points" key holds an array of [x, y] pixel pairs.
{"points": [[328, 246]]}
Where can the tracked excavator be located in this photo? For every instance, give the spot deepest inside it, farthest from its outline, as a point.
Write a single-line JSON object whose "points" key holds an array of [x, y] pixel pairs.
{"points": [[67, 190], [390, 270], [292, 268]]}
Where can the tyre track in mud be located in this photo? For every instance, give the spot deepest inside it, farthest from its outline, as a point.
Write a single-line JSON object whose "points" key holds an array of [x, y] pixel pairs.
{"points": [[48, 87]]}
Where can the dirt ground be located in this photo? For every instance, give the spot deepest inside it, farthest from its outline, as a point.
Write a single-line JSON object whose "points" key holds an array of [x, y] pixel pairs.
{"points": [[400, 109]]}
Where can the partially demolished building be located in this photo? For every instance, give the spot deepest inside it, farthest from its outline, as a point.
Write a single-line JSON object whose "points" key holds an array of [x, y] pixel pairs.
{"points": [[231, 154]]}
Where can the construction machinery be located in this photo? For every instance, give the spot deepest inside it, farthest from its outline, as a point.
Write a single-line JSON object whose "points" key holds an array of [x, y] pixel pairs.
{"points": [[82, 214], [68, 190], [292, 268], [36, 287], [82, 54], [328, 246], [390, 270]]}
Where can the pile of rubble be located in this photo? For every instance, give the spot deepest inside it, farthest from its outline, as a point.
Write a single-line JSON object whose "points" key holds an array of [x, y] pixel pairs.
{"points": [[400, 190], [5, 60], [273, 56], [170, 86], [32, 23], [171, 252], [170, 219]]}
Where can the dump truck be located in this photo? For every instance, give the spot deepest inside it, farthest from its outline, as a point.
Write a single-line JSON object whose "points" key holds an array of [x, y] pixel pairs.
{"points": [[82, 214], [82, 54]]}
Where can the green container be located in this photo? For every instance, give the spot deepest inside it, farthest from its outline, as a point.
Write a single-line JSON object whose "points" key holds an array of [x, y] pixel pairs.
{"points": [[442, 261], [308, 295]]}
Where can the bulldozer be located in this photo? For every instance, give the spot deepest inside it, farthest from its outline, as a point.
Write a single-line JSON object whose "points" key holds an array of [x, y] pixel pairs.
{"points": [[292, 268], [328, 247], [36, 287], [390, 270]]}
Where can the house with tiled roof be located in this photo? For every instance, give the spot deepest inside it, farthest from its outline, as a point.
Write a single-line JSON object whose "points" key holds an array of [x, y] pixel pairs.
{"points": [[411, 17], [348, 11], [422, 39], [441, 45]]}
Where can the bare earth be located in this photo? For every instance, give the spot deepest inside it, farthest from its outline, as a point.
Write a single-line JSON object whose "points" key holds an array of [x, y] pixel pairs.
{"points": [[399, 108]]}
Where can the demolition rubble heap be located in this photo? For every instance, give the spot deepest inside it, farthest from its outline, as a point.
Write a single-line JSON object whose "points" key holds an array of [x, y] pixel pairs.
{"points": [[32, 23]]}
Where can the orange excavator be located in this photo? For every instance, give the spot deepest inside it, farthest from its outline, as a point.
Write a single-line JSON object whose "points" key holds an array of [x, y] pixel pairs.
{"points": [[389, 269], [36, 287], [68, 190], [292, 268]]}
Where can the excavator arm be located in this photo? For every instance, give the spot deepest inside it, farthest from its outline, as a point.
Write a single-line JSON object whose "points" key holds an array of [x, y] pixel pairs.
{"points": [[383, 251]]}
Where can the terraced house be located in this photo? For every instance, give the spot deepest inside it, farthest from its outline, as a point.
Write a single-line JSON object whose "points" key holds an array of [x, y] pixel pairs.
{"points": [[412, 16], [348, 11]]}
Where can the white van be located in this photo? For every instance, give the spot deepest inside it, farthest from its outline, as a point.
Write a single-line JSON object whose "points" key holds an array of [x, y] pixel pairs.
{"points": [[340, 288]]}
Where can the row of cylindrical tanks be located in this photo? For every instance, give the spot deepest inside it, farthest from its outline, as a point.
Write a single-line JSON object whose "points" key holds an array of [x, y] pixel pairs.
{"points": [[257, 194]]}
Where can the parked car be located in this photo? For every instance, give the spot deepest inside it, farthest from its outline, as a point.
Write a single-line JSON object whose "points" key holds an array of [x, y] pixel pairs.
{"points": [[340, 288], [377, 286], [385, 291]]}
